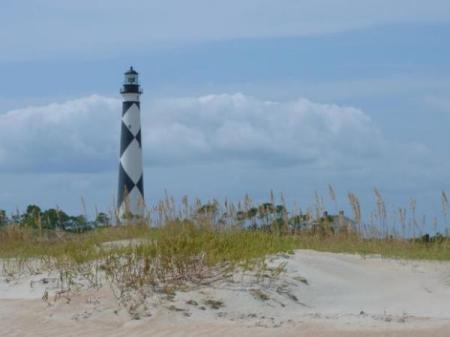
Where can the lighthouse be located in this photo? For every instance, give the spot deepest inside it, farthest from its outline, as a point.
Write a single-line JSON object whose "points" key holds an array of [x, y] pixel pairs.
{"points": [[131, 205]]}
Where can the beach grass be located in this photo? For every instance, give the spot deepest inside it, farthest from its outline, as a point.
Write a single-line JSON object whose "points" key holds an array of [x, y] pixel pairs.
{"points": [[400, 248], [198, 241], [184, 240]]}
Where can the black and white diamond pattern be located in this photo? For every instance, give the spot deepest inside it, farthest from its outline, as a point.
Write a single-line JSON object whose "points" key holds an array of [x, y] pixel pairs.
{"points": [[132, 119], [131, 179], [131, 161]]}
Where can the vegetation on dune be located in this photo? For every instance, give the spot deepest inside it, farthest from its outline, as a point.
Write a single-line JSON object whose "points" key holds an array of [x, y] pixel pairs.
{"points": [[192, 242], [177, 241], [53, 218], [184, 239]]}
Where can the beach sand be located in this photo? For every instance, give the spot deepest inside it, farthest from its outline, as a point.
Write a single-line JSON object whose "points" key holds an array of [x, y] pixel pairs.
{"points": [[319, 294]]}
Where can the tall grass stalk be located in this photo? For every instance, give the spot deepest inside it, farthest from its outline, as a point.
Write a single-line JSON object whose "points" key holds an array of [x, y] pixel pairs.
{"points": [[195, 241]]}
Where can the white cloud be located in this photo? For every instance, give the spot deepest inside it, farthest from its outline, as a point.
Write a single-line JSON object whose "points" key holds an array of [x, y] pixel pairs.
{"points": [[241, 128], [210, 146], [77, 135], [83, 135]]}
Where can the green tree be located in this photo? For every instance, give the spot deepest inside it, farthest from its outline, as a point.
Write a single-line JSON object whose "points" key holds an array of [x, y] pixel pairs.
{"points": [[32, 217], [265, 213], [251, 215], [103, 219], [280, 223], [280, 211], [80, 220], [299, 221], [3, 218], [53, 218], [209, 212], [77, 224], [210, 208], [241, 216]]}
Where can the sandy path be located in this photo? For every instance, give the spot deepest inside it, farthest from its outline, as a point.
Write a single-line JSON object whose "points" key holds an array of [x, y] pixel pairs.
{"points": [[321, 295]]}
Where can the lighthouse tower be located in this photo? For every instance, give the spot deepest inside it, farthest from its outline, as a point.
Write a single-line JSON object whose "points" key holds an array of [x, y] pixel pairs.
{"points": [[131, 179]]}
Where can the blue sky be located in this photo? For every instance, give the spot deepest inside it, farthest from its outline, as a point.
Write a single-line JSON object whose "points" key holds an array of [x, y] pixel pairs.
{"points": [[240, 96]]}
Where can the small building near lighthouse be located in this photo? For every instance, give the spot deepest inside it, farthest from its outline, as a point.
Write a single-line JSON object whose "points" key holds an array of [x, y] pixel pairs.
{"points": [[130, 198]]}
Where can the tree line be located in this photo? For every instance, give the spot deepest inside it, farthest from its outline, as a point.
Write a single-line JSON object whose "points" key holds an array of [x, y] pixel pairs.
{"points": [[52, 218], [268, 216]]}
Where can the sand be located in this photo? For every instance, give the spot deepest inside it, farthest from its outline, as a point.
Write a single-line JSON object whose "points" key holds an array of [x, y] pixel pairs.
{"points": [[320, 294]]}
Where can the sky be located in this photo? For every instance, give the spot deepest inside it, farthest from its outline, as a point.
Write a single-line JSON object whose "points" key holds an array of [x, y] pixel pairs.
{"points": [[239, 97]]}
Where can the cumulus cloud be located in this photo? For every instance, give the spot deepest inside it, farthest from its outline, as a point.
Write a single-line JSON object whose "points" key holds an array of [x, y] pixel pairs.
{"points": [[242, 128], [83, 134], [77, 135]]}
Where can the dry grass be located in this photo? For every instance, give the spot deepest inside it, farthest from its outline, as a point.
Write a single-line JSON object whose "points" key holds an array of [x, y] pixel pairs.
{"points": [[134, 258], [199, 242], [386, 247], [183, 250]]}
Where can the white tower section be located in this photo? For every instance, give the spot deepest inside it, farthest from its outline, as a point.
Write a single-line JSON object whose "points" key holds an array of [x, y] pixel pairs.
{"points": [[130, 199]]}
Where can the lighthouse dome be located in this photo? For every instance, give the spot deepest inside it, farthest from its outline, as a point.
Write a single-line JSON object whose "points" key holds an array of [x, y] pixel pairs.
{"points": [[131, 82], [131, 71]]}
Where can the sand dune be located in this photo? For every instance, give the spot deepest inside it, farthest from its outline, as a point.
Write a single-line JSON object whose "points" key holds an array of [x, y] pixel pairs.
{"points": [[320, 294]]}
